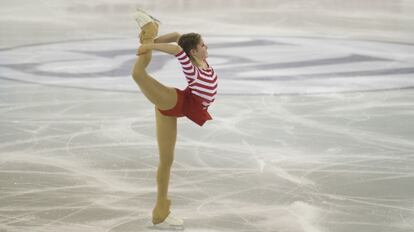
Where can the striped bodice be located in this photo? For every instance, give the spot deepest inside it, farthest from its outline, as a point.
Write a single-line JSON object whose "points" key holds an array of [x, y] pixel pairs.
{"points": [[202, 82]]}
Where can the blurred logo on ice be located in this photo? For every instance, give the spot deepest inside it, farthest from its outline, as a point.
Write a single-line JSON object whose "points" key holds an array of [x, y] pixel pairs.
{"points": [[245, 65]]}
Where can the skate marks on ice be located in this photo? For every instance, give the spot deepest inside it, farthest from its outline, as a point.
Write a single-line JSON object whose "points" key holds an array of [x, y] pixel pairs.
{"points": [[279, 155]]}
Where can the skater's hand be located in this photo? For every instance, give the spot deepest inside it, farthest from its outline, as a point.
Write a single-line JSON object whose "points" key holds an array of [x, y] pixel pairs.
{"points": [[144, 49]]}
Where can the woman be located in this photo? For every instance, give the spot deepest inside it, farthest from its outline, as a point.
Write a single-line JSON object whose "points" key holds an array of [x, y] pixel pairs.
{"points": [[171, 103]]}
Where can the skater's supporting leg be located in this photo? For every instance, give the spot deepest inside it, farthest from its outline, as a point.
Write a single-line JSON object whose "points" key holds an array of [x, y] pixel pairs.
{"points": [[166, 137]]}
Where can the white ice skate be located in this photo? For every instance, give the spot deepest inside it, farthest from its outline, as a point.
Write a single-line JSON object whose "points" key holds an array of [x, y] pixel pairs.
{"points": [[170, 223], [142, 18]]}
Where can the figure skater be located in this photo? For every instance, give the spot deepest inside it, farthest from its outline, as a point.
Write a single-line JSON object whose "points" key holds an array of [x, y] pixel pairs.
{"points": [[172, 103]]}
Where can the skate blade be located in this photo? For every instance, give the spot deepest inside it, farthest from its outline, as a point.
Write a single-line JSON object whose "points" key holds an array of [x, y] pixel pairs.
{"points": [[165, 227]]}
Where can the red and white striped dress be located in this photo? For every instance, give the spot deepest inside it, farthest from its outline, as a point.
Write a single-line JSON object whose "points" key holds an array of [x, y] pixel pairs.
{"points": [[202, 82]]}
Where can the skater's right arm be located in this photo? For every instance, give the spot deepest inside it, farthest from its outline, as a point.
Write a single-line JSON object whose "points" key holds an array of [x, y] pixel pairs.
{"points": [[167, 48], [188, 68]]}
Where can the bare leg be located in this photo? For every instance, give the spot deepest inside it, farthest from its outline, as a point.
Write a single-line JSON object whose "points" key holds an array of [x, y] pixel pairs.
{"points": [[166, 136], [160, 95], [163, 98]]}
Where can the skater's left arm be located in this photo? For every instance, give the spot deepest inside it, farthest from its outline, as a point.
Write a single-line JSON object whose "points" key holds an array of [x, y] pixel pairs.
{"points": [[168, 38], [163, 47]]}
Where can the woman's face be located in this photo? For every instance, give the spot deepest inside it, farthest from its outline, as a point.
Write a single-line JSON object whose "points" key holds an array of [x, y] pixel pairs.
{"points": [[201, 51]]}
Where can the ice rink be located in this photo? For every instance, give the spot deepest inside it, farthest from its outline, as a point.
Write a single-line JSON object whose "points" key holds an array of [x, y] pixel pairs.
{"points": [[312, 130]]}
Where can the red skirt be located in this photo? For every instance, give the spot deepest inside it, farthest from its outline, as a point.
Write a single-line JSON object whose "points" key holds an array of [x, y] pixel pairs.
{"points": [[188, 105]]}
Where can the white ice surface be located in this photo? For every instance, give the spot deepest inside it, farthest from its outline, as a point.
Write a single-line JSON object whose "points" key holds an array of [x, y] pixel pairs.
{"points": [[313, 125]]}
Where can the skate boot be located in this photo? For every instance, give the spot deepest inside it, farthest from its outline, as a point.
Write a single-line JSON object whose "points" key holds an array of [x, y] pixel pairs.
{"points": [[170, 223], [142, 18], [148, 25]]}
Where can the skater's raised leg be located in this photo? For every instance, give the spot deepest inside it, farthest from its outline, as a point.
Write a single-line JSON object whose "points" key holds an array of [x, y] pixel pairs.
{"points": [[162, 96]]}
